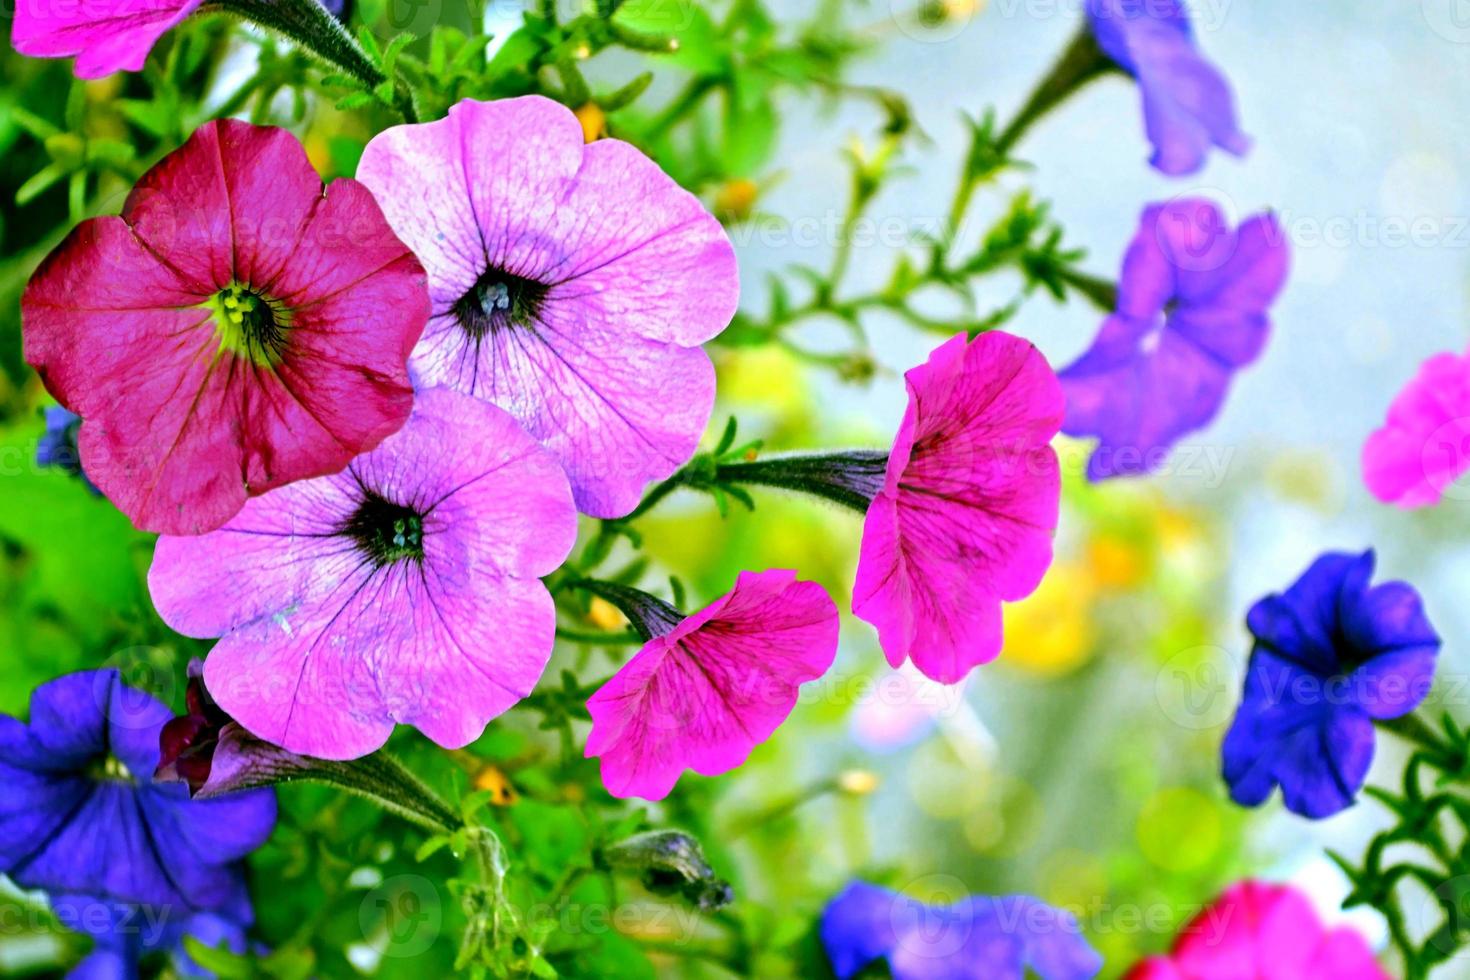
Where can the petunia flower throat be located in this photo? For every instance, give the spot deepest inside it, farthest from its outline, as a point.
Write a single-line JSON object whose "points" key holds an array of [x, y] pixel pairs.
{"points": [[250, 324], [500, 301], [385, 532]]}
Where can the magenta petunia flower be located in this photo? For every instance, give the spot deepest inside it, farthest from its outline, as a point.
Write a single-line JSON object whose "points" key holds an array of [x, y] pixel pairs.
{"points": [[404, 590], [104, 35], [707, 689], [572, 286], [1425, 444], [967, 507], [1193, 309], [236, 329], [1265, 931]]}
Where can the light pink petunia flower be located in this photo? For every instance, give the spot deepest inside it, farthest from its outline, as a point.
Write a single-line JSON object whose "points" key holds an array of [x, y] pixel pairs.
{"points": [[572, 286], [1267, 932], [706, 689], [970, 499], [104, 35], [405, 589], [236, 329], [1425, 445]]}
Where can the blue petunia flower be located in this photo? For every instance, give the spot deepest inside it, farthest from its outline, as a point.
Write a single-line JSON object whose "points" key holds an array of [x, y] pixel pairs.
{"points": [[1187, 104], [1332, 655], [978, 938], [58, 444], [134, 863]]}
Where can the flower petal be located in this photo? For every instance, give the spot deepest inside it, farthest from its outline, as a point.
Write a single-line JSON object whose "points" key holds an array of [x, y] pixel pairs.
{"points": [[103, 40], [322, 649], [1424, 446], [631, 287], [972, 496], [704, 695]]}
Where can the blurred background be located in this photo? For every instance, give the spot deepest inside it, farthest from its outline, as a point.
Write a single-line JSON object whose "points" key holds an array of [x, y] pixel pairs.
{"points": [[1082, 766]]}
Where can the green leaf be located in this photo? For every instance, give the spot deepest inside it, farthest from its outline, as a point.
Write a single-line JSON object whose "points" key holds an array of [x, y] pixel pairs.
{"points": [[40, 183], [517, 52], [750, 129], [218, 960]]}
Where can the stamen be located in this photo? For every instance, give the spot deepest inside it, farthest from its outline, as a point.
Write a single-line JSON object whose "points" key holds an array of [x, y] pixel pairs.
{"points": [[499, 301], [250, 325], [386, 532]]}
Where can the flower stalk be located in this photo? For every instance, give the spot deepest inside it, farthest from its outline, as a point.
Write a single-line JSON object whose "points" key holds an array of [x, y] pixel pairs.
{"points": [[1080, 63], [312, 26]]}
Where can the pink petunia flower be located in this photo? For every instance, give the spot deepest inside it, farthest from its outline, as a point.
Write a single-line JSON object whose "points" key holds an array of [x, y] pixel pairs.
{"points": [[572, 286], [968, 504], [104, 35], [405, 589], [1425, 444], [236, 329], [1267, 932], [706, 689]]}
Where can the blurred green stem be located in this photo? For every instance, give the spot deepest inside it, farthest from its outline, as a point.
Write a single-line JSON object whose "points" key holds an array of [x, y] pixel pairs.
{"points": [[1080, 63]]}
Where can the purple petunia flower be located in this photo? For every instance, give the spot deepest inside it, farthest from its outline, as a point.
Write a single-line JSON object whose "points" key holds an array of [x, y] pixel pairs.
{"points": [[58, 445], [708, 688], [1187, 104], [1331, 656], [124, 935], [405, 589], [977, 938], [962, 518], [133, 862], [1192, 310], [572, 286]]}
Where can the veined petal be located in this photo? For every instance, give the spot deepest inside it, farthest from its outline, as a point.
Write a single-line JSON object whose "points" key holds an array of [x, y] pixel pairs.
{"points": [[705, 694]]}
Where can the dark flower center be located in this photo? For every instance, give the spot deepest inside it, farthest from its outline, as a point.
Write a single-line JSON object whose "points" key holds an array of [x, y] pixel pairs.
{"points": [[500, 300], [386, 532], [250, 324]]}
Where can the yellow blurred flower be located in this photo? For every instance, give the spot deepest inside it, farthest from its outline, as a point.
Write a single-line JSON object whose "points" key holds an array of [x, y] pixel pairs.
{"points": [[604, 615], [1051, 633], [735, 200], [1117, 561], [593, 120], [491, 778]]}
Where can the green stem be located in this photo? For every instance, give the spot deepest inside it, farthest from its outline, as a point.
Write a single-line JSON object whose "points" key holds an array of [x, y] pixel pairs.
{"points": [[387, 782], [1080, 63], [312, 26], [1414, 729], [649, 615], [594, 638], [852, 478], [681, 106], [1100, 292]]}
